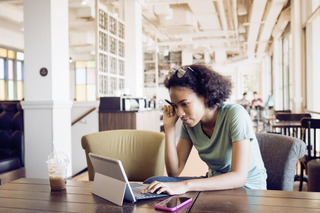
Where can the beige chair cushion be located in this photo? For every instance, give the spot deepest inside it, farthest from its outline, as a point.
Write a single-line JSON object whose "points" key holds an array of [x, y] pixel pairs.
{"points": [[141, 152]]}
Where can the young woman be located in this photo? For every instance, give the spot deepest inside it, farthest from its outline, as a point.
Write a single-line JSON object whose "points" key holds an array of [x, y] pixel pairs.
{"points": [[222, 134]]}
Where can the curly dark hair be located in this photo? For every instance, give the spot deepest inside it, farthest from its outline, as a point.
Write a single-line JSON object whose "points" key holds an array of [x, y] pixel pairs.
{"points": [[205, 82]]}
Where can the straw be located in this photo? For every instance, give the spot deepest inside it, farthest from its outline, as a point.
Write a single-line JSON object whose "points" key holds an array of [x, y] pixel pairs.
{"points": [[55, 152]]}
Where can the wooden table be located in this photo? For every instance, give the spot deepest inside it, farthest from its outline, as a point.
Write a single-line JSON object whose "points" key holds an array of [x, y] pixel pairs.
{"points": [[34, 195], [290, 128], [270, 119], [249, 200], [282, 124]]}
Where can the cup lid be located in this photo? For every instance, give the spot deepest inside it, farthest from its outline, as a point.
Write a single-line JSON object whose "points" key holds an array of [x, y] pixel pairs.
{"points": [[57, 157]]}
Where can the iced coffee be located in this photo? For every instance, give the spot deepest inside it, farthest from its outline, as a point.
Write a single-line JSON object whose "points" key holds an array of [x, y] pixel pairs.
{"points": [[58, 168]]}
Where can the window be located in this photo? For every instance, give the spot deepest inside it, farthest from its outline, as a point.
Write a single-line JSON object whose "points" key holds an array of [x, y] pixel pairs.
{"points": [[85, 74], [286, 77], [313, 64], [110, 53], [249, 83], [11, 74]]}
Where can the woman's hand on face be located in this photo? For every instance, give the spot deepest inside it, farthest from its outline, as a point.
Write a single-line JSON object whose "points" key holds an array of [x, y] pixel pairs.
{"points": [[171, 188], [169, 116]]}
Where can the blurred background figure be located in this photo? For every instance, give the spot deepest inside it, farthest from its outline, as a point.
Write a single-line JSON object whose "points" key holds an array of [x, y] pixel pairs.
{"points": [[243, 101], [258, 113], [256, 101], [153, 102]]}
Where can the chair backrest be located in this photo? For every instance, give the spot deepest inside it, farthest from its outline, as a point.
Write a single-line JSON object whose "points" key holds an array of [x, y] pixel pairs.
{"points": [[312, 126], [280, 155], [11, 131], [292, 116], [296, 131], [282, 111], [141, 152]]}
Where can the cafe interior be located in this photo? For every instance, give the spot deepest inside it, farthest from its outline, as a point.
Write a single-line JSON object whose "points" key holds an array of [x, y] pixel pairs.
{"points": [[72, 68]]}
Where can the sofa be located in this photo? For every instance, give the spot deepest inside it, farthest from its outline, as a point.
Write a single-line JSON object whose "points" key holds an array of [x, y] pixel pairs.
{"points": [[11, 141]]}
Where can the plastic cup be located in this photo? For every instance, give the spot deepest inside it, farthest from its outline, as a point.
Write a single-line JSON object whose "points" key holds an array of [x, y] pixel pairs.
{"points": [[58, 168]]}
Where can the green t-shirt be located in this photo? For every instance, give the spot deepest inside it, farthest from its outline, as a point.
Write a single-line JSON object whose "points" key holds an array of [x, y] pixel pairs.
{"points": [[233, 124]]}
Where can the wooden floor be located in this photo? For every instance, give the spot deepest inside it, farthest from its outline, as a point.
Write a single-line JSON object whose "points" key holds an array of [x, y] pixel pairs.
{"points": [[83, 177]]}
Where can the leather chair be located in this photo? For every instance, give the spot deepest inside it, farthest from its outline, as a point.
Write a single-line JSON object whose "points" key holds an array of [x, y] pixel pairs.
{"points": [[11, 141], [141, 152], [280, 155]]}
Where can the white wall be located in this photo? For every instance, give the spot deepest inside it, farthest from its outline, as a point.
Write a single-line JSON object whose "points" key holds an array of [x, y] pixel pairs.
{"points": [[236, 70], [133, 48], [87, 125]]}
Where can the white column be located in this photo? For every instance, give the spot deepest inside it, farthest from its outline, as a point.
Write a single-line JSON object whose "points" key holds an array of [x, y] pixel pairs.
{"points": [[134, 55], [277, 77], [296, 29], [47, 106]]}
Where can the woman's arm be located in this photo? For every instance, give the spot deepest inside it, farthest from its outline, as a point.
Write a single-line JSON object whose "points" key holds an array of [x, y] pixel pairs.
{"points": [[176, 155], [236, 178]]}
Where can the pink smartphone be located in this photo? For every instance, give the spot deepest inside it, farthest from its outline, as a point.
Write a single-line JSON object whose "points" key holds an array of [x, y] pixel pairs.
{"points": [[173, 203]]}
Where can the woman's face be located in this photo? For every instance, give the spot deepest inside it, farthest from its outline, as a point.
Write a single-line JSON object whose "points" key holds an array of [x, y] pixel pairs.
{"points": [[188, 105]]}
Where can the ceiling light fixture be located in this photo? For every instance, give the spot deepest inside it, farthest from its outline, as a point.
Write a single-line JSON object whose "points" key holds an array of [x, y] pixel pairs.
{"points": [[84, 2]]}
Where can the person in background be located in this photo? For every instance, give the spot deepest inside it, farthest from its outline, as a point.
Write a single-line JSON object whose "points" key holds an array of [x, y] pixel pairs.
{"points": [[258, 112], [222, 134], [152, 102], [243, 101], [256, 101]]}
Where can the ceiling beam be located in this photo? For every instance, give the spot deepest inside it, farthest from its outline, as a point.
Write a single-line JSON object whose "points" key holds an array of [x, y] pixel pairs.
{"points": [[223, 18], [206, 14], [235, 21], [282, 22], [257, 11], [272, 13], [207, 42], [210, 33], [222, 15], [11, 13], [157, 2]]}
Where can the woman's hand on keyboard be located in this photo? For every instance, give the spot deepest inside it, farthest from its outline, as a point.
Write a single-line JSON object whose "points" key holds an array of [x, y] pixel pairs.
{"points": [[172, 188]]}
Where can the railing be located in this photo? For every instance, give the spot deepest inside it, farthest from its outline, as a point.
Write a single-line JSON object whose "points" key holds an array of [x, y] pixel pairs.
{"points": [[82, 116]]}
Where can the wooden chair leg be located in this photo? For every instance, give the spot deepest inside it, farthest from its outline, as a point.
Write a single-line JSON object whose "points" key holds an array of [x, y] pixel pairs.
{"points": [[301, 176]]}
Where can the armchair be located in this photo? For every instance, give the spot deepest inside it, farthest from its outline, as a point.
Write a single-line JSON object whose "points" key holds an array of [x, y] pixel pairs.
{"points": [[141, 152], [11, 141], [280, 155]]}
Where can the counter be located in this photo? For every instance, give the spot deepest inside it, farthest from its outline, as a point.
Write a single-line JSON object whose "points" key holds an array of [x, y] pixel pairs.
{"points": [[145, 119]]}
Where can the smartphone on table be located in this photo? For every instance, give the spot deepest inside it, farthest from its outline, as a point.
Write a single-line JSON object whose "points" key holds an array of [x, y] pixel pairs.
{"points": [[173, 203]]}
